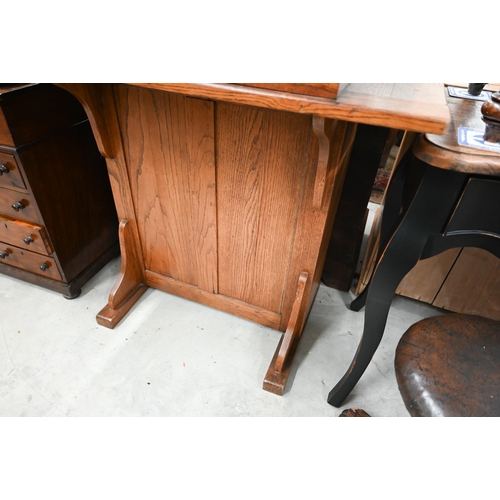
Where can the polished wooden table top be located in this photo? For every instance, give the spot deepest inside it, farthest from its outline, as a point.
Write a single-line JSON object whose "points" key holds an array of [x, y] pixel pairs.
{"points": [[417, 107], [444, 151]]}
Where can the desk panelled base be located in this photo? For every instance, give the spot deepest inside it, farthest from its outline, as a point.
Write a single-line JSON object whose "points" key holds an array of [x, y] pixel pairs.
{"points": [[226, 204]]}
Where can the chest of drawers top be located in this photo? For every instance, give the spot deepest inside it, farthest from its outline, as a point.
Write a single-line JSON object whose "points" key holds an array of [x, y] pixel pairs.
{"points": [[29, 112]]}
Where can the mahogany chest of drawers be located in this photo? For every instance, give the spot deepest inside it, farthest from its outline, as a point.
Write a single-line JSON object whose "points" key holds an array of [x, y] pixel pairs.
{"points": [[58, 222]]}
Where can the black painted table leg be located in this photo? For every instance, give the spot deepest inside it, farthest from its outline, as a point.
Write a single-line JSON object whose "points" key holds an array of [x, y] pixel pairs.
{"points": [[426, 215]]}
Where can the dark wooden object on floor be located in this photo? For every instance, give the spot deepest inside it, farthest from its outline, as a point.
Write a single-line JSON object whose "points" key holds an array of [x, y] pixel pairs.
{"points": [[449, 366], [354, 412], [347, 234], [58, 223], [442, 196]]}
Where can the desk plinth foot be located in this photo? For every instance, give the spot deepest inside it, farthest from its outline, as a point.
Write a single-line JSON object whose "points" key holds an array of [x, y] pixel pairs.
{"points": [[274, 380], [129, 285], [110, 317], [279, 369]]}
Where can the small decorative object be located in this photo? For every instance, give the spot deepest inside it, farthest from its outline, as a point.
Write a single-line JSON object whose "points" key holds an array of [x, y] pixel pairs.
{"points": [[476, 88], [491, 116]]}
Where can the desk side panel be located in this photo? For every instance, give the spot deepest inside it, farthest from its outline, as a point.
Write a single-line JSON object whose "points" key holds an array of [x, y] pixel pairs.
{"points": [[261, 157], [169, 149]]}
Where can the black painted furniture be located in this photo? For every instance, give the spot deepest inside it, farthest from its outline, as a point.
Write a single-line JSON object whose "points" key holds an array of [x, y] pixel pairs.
{"points": [[442, 196]]}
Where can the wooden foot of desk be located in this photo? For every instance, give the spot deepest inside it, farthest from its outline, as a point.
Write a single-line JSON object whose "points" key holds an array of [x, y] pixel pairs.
{"points": [[110, 317], [275, 381], [129, 285], [279, 369]]}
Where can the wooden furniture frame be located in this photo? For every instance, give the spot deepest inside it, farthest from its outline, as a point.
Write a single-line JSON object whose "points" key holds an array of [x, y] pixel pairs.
{"points": [[227, 193]]}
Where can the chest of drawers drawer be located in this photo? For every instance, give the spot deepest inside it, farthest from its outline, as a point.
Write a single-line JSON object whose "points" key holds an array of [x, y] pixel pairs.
{"points": [[24, 235], [18, 205], [10, 175], [42, 265]]}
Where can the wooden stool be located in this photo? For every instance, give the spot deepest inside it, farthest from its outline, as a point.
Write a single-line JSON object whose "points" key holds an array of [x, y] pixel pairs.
{"points": [[449, 366]]}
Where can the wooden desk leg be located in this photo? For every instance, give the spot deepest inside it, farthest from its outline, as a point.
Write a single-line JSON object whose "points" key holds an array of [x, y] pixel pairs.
{"points": [[279, 369], [130, 284]]}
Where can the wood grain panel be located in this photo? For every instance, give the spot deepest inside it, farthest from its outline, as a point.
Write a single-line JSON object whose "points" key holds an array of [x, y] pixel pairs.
{"points": [[425, 279], [260, 164], [221, 302], [170, 158], [314, 225], [475, 292]]}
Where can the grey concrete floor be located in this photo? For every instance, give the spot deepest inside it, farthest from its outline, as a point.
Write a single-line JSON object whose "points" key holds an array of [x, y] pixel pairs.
{"points": [[173, 357]]}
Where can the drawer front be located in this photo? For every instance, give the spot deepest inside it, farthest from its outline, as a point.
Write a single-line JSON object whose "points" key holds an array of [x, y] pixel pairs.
{"points": [[18, 205], [29, 261], [24, 235], [10, 174]]}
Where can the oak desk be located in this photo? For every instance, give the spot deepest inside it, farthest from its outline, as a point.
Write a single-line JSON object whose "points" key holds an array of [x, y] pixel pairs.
{"points": [[227, 193]]}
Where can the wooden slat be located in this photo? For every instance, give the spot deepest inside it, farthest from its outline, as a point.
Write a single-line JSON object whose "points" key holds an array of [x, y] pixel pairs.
{"points": [[221, 302], [424, 281], [172, 175], [476, 292], [260, 163]]}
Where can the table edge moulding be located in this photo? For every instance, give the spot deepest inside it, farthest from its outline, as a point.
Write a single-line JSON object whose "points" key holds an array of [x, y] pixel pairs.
{"points": [[197, 169]]}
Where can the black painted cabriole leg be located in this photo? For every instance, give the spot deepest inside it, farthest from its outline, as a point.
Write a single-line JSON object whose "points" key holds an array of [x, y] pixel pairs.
{"points": [[427, 215]]}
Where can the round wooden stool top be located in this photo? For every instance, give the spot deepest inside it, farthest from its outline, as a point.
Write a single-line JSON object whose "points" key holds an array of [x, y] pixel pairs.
{"points": [[444, 151], [449, 366]]}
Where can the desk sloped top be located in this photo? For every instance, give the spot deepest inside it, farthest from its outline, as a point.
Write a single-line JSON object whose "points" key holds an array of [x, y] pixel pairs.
{"points": [[417, 107]]}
